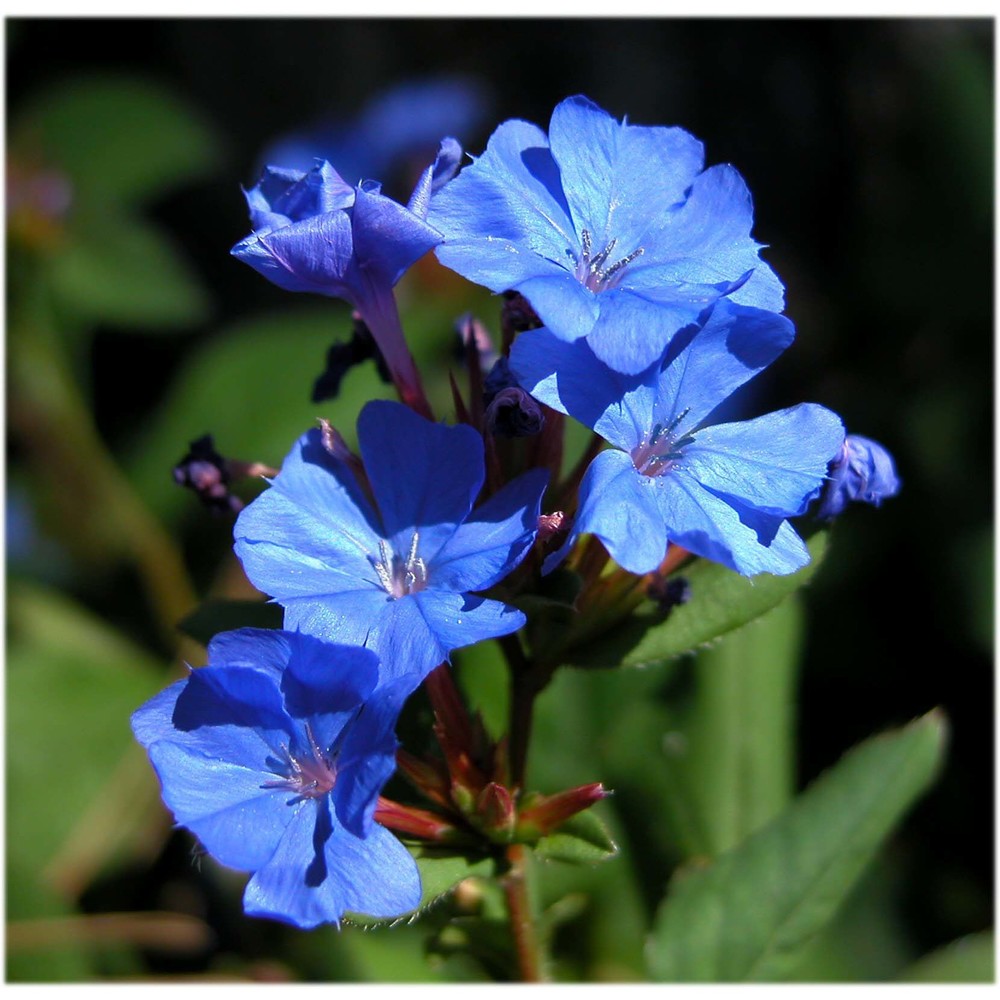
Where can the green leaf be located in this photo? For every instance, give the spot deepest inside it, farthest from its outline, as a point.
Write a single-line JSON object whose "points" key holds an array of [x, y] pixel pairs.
{"points": [[730, 750], [440, 872], [72, 683], [124, 272], [215, 616], [971, 959], [721, 601], [582, 840], [118, 138], [747, 915]]}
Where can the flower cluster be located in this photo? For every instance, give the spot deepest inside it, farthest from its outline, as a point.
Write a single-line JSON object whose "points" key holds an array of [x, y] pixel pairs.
{"points": [[637, 304]]}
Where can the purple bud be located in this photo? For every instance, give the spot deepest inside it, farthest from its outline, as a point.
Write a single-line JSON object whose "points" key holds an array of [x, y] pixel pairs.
{"points": [[513, 413], [204, 470], [470, 331], [863, 471]]}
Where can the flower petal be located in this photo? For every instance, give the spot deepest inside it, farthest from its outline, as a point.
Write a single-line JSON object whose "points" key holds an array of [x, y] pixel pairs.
{"points": [[264, 649], [494, 539], [509, 198], [776, 463], [320, 871], [569, 378], [224, 804], [567, 307], [720, 529], [367, 757], [458, 620], [324, 678], [707, 241], [704, 367], [388, 238], [425, 476], [633, 331], [618, 176], [314, 255], [313, 532], [619, 506]]}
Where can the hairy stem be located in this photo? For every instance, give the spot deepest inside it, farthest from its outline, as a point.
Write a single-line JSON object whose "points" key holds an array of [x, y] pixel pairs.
{"points": [[522, 923]]}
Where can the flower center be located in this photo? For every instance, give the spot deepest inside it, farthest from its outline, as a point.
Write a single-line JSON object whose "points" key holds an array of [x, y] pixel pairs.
{"points": [[659, 451], [310, 774], [593, 270], [400, 577]]}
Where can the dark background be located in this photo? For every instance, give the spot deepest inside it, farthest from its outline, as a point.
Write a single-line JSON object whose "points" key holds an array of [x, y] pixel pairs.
{"points": [[868, 146]]}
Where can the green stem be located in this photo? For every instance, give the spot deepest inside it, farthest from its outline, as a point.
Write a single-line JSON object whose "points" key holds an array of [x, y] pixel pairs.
{"points": [[522, 923], [524, 686]]}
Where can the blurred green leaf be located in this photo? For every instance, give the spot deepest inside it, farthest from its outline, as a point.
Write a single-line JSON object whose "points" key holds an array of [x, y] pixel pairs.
{"points": [[747, 915], [72, 683], [721, 601], [122, 271], [730, 751], [215, 616], [118, 138], [582, 840], [971, 959]]}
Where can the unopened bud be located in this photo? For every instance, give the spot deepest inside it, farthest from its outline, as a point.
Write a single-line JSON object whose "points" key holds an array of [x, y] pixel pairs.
{"points": [[513, 413], [550, 525], [204, 470], [470, 332], [541, 814], [863, 471], [495, 811]]}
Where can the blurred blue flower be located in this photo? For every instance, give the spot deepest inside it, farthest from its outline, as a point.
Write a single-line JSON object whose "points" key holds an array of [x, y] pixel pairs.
{"points": [[401, 123], [723, 491], [313, 232], [273, 755], [611, 231], [394, 577], [862, 471]]}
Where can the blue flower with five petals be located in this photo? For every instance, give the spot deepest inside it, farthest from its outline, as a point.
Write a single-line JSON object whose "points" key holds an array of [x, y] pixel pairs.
{"points": [[273, 755], [612, 231], [397, 576], [722, 491]]}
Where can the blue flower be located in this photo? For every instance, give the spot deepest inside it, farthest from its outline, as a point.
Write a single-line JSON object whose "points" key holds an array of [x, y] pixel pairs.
{"points": [[723, 491], [402, 122], [395, 576], [862, 471], [611, 231], [314, 232], [273, 755]]}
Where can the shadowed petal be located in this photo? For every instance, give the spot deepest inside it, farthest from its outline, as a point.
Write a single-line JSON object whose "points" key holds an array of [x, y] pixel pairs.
{"points": [[425, 476], [320, 871], [569, 378], [716, 528], [494, 539]]}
